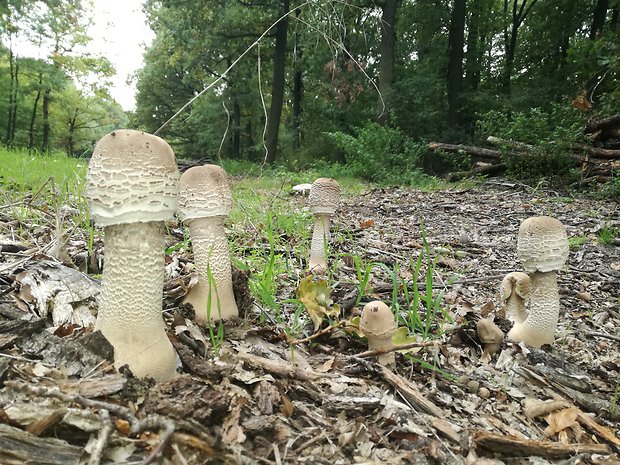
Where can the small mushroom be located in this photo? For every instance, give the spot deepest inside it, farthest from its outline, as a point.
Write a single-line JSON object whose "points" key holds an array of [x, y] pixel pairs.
{"points": [[204, 201], [514, 291], [542, 247], [490, 335], [378, 325], [323, 202], [132, 187]]}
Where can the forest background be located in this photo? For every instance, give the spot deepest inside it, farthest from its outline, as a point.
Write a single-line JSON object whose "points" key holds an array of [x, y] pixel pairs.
{"points": [[365, 84]]}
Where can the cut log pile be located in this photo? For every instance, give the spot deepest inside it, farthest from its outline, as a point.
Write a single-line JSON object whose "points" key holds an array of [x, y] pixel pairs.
{"points": [[598, 160]]}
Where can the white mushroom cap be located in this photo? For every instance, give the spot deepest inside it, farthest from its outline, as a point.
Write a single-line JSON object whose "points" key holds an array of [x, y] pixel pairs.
{"points": [[324, 196], [377, 320], [205, 192], [132, 177], [378, 325], [542, 244]]}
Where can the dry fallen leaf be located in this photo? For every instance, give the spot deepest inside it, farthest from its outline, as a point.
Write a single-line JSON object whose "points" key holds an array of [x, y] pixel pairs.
{"points": [[315, 294]]}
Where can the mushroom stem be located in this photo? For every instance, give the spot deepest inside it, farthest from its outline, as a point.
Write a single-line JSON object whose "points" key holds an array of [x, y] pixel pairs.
{"points": [[130, 314], [544, 313], [213, 265], [320, 235], [514, 290]]}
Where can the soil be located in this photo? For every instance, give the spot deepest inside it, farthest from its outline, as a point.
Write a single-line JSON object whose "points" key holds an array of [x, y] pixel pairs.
{"points": [[267, 395]]}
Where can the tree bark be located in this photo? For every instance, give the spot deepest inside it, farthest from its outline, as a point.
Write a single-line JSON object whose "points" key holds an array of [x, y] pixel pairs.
{"points": [[236, 128], [277, 89], [386, 66], [455, 65]]}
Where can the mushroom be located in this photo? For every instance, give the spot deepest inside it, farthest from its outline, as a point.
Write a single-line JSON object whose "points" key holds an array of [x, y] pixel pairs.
{"points": [[542, 247], [378, 325], [514, 291], [132, 187], [204, 201], [489, 334], [323, 202]]}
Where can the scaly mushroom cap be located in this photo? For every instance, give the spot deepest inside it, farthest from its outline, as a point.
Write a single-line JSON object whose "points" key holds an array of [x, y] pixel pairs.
{"points": [[132, 177], [542, 244], [204, 192], [324, 196]]}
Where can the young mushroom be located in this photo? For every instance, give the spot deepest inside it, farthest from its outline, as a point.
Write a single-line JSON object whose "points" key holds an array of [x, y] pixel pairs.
{"points": [[542, 247], [490, 335], [514, 291], [378, 325], [323, 202], [204, 201], [132, 186]]}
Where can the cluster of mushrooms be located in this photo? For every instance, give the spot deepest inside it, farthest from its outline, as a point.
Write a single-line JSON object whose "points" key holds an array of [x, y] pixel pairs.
{"points": [[133, 186]]}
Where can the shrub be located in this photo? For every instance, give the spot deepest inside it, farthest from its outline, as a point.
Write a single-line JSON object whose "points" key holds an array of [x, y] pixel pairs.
{"points": [[381, 154]]}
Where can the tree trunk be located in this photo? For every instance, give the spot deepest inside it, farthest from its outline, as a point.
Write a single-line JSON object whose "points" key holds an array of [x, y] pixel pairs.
{"points": [[455, 65], [519, 13], [10, 127], [473, 55], [277, 89], [386, 66], [298, 89], [236, 129], [598, 18], [33, 115], [45, 143]]}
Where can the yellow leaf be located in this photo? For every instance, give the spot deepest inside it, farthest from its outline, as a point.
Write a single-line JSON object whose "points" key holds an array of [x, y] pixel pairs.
{"points": [[401, 337], [315, 295]]}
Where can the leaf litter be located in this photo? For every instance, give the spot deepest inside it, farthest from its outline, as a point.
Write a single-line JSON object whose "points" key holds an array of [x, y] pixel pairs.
{"points": [[265, 395]]}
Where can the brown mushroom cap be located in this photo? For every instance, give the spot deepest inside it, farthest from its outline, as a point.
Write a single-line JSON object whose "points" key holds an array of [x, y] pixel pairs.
{"points": [[377, 320], [542, 244], [132, 177], [516, 282], [204, 192], [489, 334], [324, 196]]}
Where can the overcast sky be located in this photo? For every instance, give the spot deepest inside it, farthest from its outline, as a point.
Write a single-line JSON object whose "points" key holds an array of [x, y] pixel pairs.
{"points": [[119, 34]]}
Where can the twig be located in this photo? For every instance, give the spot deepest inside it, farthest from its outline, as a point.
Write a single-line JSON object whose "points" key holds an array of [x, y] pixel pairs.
{"points": [[411, 345], [603, 335], [107, 428], [318, 334], [166, 427]]}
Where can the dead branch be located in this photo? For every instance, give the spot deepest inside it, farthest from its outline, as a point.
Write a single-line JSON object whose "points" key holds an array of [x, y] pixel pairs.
{"points": [[410, 392], [514, 446]]}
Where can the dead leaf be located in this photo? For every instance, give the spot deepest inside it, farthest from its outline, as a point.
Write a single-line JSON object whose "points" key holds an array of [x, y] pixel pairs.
{"points": [[364, 224], [561, 420], [315, 294]]}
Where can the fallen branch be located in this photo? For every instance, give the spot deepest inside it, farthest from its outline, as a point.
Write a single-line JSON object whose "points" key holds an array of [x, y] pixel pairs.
{"points": [[410, 392], [514, 446]]}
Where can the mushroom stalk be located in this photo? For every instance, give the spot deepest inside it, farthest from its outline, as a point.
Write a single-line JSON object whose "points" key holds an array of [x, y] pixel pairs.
{"points": [[544, 312], [213, 297], [320, 236], [514, 290], [130, 304]]}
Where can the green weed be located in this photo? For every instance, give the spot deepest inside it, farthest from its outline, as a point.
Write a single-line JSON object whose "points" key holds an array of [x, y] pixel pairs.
{"points": [[606, 235]]}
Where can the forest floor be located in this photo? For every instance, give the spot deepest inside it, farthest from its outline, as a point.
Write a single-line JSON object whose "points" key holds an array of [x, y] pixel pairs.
{"points": [[266, 398]]}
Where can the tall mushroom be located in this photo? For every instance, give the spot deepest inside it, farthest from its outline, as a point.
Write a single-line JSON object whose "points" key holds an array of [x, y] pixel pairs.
{"points": [[323, 202], [132, 187], [378, 325], [514, 291], [204, 201], [542, 247]]}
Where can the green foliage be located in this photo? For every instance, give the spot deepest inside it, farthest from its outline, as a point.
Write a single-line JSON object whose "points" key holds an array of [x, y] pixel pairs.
{"points": [[606, 235], [382, 155]]}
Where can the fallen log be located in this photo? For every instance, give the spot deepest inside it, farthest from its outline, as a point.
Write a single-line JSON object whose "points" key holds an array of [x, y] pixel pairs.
{"points": [[468, 149], [610, 122], [598, 152], [594, 152], [478, 170]]}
